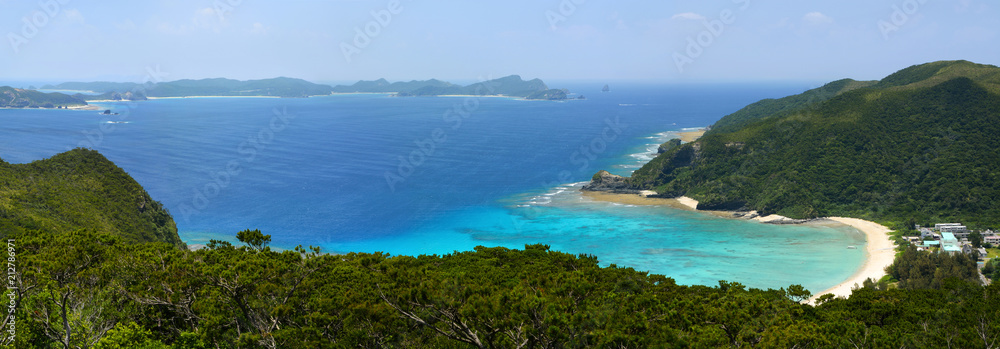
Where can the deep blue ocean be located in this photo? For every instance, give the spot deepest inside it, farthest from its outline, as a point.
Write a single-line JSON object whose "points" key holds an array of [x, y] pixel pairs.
{"points": [[432, 175]]}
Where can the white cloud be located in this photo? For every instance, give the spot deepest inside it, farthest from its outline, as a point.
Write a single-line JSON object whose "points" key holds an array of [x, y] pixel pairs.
{"points": [[207, 18], [74, 16], [817, 18], [963, 5], [127, 25], [691, 16], [203, 20], [581, 32], [258, 28], [617, 19]]}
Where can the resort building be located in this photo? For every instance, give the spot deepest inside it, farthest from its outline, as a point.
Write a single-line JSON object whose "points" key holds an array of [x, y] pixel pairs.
{"points": [[931, 244], [951, 228], [952, 249], [991, 239], [949, 243], [928, 234], [969, 250]]}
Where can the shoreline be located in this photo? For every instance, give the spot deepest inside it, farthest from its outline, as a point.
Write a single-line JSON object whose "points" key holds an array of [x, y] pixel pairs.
{"points": [[395, 94], [153, 98], [79, 107], [86, 107], [880, 251]]}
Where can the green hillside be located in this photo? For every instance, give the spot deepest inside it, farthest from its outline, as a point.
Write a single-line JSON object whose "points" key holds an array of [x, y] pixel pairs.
{"points": [[920, 144], [18, 98], [80, 189], [782, 106]]}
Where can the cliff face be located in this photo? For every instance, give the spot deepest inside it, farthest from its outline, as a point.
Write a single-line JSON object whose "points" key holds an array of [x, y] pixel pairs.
{"points": [[671, 144]]}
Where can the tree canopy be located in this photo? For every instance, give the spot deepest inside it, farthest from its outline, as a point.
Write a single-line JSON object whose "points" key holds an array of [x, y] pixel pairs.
{"points": [[85, 289]]}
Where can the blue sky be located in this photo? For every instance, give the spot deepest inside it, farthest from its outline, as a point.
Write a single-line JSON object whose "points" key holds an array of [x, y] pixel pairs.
{"points": [[660, 41]]}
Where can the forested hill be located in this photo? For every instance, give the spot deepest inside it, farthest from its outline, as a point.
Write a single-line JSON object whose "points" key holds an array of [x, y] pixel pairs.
{"points": [[920, 145], [18, 98], [80, 189]]}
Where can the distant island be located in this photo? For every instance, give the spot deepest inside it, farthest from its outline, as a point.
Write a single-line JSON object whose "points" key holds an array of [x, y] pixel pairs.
{"points": [[276, 87], [510, 86]]}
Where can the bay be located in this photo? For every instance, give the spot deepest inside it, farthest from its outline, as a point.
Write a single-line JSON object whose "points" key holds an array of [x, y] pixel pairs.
{"points": [[433, 175]]}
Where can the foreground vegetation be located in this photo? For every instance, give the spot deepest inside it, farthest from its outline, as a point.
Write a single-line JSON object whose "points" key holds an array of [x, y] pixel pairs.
{"points": [[85, 289]]}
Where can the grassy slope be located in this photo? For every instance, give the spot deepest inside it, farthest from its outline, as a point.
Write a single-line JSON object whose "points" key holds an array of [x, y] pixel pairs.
{"points": [[80, 189]]}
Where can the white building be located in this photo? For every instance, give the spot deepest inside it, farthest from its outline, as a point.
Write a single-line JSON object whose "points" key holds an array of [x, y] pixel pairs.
{"points": [[950, 228], [991, 239]]}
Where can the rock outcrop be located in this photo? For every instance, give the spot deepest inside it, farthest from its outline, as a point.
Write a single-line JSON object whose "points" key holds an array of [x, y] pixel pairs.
{"points": [[607, 182], [668, 145]]}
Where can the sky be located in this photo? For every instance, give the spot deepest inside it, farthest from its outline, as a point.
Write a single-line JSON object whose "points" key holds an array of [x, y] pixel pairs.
{"points": [[461, 41]]}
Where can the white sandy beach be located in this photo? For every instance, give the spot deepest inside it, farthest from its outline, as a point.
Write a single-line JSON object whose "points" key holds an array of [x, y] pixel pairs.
{"points": [[880, 253], [689, 202]]}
